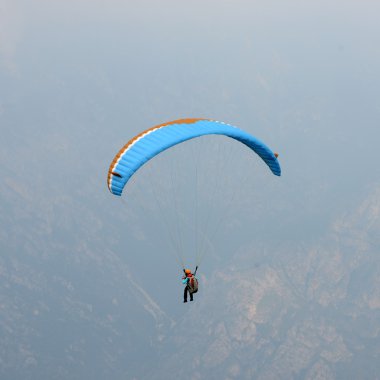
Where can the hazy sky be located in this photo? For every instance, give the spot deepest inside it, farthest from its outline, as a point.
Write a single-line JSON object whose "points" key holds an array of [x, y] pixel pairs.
{"points": [[302, 76], [79, 78]]}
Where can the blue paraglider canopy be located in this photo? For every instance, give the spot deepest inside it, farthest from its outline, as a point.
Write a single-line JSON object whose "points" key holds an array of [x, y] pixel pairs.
{"points": [[155, 140]]}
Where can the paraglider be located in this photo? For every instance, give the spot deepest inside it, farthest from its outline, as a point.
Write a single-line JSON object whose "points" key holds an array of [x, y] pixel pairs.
{"points": [[151, 142], [191, 283]]}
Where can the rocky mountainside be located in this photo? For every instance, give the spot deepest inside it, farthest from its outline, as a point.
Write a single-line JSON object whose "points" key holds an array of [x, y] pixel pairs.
{"points": [[70, 308], [75, 301], [307, 312], [290, 289]]}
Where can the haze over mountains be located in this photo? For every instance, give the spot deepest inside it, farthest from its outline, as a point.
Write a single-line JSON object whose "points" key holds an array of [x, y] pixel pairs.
{"points": [[290, 287]]}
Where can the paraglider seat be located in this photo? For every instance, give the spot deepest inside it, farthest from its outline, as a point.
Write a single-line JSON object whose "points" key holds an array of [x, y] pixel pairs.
{"points": [[193, 285]]}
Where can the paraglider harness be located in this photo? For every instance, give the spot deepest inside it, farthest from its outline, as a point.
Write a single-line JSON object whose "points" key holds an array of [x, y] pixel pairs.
{"points": [[192, 284]]}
